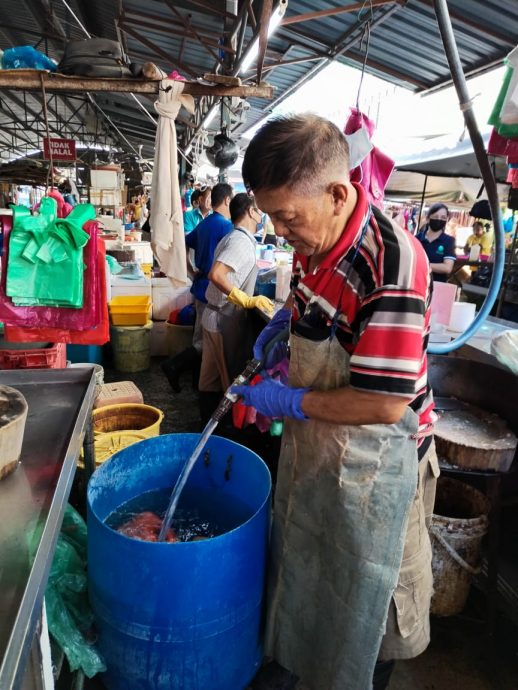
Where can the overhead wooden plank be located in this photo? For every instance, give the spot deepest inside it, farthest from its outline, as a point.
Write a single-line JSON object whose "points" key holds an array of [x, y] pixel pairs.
{"points": [[30, 80]]}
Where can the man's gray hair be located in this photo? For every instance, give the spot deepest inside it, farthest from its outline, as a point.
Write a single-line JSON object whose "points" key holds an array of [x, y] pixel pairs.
{"points": [[305, 152]]}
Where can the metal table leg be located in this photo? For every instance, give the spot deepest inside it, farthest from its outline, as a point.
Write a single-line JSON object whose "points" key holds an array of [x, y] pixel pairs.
{"points": [[89, 450]]}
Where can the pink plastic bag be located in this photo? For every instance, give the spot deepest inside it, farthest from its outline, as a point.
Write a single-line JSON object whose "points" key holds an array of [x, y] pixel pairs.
{"points": [[374, 171]]}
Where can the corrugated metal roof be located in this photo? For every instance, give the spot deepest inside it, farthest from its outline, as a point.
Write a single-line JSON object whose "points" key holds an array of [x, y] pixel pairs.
{"points": [[404, 47]]}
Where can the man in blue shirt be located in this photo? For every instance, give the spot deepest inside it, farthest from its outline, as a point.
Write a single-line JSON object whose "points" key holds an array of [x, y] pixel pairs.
{"points": [[203, 240], [201, 205]]}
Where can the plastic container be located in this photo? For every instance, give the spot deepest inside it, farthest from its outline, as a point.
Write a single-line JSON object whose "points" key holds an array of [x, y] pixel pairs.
{"points": [[166, 298], [130, 310], [131, 347], [93, 354], [187, 615], [118, 393], [282, 282], [462, 314], [124, 287], [24, 356], [458, 526], [158, 341], [178, 337], [99, 371], [126, 418]]}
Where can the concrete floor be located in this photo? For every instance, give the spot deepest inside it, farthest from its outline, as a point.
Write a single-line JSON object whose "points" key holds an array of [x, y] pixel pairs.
{"points": [[460, 656]]}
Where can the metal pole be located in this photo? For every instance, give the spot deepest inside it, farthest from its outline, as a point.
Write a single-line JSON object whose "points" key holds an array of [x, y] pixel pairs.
{"points": [[466, 105], [422, 203]]}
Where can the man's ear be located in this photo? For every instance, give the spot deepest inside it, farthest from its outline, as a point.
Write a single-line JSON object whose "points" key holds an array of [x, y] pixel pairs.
{"points": [[339, 193]]}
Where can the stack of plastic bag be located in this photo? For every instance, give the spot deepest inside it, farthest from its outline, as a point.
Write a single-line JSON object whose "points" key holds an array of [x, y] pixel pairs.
{"points": [[53, 285], [46, 256]]}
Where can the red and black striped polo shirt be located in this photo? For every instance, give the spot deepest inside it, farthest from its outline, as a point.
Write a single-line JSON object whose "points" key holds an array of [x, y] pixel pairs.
{"points": [[383, 302]]}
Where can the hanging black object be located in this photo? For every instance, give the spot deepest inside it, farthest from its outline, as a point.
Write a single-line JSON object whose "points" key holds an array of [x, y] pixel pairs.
{"points": [[224, 152], [480, 209], [95, 57]]}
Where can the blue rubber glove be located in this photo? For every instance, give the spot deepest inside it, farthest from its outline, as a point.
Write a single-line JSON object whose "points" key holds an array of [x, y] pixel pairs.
{"points": [[278, 323], [273, 399]]}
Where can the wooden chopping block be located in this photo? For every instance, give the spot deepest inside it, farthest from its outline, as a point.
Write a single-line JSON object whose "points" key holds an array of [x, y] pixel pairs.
{"points": [[474, 439]]}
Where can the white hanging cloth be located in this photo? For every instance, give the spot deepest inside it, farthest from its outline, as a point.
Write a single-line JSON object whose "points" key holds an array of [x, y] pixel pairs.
{"points": [[166, 218]]}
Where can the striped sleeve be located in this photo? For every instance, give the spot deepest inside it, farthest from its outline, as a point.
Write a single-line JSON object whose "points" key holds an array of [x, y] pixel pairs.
{"points": [[388, 355]]}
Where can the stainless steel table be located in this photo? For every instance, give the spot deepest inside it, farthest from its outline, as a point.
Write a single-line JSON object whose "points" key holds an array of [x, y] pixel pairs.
{"points": [[32, 501]]}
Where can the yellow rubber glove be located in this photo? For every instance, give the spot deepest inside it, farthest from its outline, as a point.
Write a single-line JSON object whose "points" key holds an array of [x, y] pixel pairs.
{"points": [[240, 298]]}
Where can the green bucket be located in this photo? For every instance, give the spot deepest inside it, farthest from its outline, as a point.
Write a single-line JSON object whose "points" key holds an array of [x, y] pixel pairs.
{"points": [[130, 345]]}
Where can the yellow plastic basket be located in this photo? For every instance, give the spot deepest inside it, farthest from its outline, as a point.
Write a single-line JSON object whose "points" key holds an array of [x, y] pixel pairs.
{"points": [[128, 417], [130, 310], [107, 445]]}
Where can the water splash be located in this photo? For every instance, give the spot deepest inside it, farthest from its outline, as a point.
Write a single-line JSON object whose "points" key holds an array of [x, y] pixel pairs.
{"points": [[184, 475]]}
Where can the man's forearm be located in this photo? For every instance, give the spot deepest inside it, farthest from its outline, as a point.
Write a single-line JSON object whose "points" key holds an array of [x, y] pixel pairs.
{"points": [[350, 406]]}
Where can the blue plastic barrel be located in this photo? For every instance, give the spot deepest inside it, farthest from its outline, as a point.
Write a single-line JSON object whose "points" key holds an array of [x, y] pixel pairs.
{"points": [[182, 616]]}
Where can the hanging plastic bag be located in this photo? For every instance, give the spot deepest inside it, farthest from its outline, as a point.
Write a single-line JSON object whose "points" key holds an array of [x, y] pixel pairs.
{"points": [[89, 316], [94, 336], [46, 256], [505, 348], [69, 615]]}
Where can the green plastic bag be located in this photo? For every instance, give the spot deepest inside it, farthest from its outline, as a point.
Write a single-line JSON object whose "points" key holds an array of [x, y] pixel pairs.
{"points": [[69, 615], [45, 264], [508, 131]]}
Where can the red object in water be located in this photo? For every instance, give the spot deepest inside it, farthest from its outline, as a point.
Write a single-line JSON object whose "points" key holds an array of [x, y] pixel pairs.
{"points": [[146, 527]]}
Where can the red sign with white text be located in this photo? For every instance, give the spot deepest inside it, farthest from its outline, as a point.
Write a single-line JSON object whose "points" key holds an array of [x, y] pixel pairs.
{"points": [[62, 149]]}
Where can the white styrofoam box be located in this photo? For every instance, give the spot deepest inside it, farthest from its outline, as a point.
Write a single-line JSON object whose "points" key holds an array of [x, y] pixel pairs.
{"points": [[105, 179], [143, 251], [105, 197], [167, 298], [158, 345], [123, 286]]}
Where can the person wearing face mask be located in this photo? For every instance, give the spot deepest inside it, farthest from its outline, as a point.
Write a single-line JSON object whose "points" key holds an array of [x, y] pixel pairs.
{"points": [[229, 294], [439, 247]]}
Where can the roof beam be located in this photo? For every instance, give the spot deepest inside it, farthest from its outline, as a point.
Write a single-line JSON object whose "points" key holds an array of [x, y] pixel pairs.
{"points": [[348, 39], [156, 23], [192, 31], [333, 11], [266, 14], [461, 18], [156, 50]]}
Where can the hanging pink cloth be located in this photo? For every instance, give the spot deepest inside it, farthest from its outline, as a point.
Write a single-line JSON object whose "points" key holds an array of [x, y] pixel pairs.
{"points": [[374, 171]]}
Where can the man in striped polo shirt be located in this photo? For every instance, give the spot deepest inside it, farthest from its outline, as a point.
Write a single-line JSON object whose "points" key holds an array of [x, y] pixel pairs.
{"points": [[350, 579]]}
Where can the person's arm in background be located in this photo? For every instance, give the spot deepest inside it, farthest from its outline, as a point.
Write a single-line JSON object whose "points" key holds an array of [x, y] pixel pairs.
{"points": [[445, 267], [467, 246]]}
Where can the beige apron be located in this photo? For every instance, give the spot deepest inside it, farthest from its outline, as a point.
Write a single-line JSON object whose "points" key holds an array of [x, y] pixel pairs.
{"points": [[342, 502], [233, 326]]}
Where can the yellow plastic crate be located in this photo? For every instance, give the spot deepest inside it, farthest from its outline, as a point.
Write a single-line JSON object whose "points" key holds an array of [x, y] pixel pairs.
{"points": [[130, 310]]}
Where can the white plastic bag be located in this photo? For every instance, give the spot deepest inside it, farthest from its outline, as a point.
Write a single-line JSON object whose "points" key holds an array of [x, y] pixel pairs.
{"points": [[505, 348]]}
